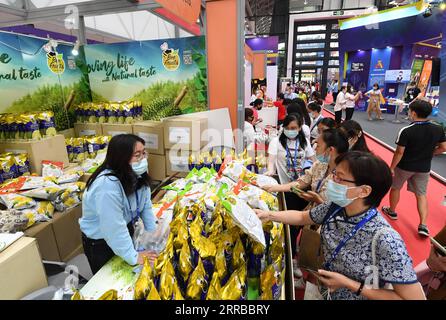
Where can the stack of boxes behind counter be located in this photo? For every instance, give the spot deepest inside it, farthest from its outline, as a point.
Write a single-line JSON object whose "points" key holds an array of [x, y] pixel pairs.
{"points": [[183, 137], [152, 132]]}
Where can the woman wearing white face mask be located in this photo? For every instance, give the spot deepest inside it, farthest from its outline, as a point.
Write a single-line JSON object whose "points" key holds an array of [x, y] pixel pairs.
{"points": [[350, 222], [117, 194], [330, 144], [289, 152]]}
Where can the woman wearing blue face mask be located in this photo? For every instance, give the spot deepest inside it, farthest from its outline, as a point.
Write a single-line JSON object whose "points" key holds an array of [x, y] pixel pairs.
{"points": [[117, 194], [289, 152], [330, 144], [353, 233]]}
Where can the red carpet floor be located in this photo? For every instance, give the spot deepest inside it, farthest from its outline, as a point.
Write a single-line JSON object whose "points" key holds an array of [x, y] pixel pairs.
{"points": [[408, 218]]}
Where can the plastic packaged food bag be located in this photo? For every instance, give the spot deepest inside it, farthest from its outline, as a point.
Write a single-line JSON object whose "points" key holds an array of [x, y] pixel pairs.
{"points": [[16, 201], [12, 221]]}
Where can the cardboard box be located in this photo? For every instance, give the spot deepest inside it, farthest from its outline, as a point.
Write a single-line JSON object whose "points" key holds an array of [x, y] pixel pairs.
{"points": [[21, 270], [177, 161], [69, 133], [115, 129], [68, 233], [43, 233], [153, 133], [88, 129], [185, 133], [157, 167], [51, 148]]}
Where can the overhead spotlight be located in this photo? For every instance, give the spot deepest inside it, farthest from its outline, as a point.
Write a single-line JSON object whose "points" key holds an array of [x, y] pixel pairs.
{"points": [[75, 51], [359, 50], [389, 47]]}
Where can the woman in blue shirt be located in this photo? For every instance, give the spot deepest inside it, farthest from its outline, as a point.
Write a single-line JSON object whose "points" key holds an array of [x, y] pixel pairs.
{"points": [[117, 194], [362, 254]]}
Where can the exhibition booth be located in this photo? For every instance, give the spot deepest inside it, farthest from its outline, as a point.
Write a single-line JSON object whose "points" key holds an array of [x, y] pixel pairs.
{"points": [[393, 48], [62, 102]]}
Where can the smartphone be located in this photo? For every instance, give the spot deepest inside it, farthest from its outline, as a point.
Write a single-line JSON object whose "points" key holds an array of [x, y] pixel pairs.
{"points": [[296, 190], [439, 248]]}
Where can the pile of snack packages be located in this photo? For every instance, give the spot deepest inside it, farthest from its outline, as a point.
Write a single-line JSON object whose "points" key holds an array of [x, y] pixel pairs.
{"points": [[89, 151], [31, 199], [27, 126], [212, 159], [13, 166], [210, 243], [109, 112]]}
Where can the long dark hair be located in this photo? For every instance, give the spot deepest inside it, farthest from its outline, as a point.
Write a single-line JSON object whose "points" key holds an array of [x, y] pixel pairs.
{"points": [[119, 153], [337, 139], [301, 109], [353, 129], [301, 136]]}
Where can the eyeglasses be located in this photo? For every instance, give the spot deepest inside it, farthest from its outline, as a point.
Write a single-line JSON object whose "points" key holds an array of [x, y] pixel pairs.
{"points": [[339, 180], [139, 156]]}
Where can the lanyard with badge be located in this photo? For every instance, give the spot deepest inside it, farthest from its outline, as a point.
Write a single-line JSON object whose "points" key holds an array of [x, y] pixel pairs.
{"points": [[138, 212], [370, 215], [293, 169]]}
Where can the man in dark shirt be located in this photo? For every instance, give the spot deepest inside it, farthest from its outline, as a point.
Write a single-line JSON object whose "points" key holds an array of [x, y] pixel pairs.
{"points": [[416, 146], [412, 93]]}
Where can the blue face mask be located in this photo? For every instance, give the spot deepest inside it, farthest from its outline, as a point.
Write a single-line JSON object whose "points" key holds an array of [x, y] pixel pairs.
{"points": [[323, 158], [337, 193], [291, 134], [140, 167]]}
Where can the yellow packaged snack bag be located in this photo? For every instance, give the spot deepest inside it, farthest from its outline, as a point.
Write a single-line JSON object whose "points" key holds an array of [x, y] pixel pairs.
{"points": [[235, 288], [100, 113], [120, 114], [167, 281], [16, 201], [271, 283], [214, 292], [177, 294], [142, 285], [153, 293], [31, 126], [238, 255], [45, 193], [46, 124], [77, 296], [45, 208], [109, 295], [78, 150], [185, 261], [91, 113], [197, 282]]}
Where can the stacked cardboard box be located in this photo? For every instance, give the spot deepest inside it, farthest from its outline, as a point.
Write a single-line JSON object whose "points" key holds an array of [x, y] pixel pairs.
{"points": [[51, 148], [115, 129], [183, 137], [153, 134], [21, 270], [59, 239], [88, 129]]}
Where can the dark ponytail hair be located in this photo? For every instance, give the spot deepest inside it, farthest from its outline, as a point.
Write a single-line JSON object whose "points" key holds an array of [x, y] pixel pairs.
{"points": [[301, 136], [337, 139], [353, 129], [119, 153]]}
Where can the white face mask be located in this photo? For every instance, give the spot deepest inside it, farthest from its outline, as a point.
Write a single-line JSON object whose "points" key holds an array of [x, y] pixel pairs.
{"points": [[140, 167]]}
